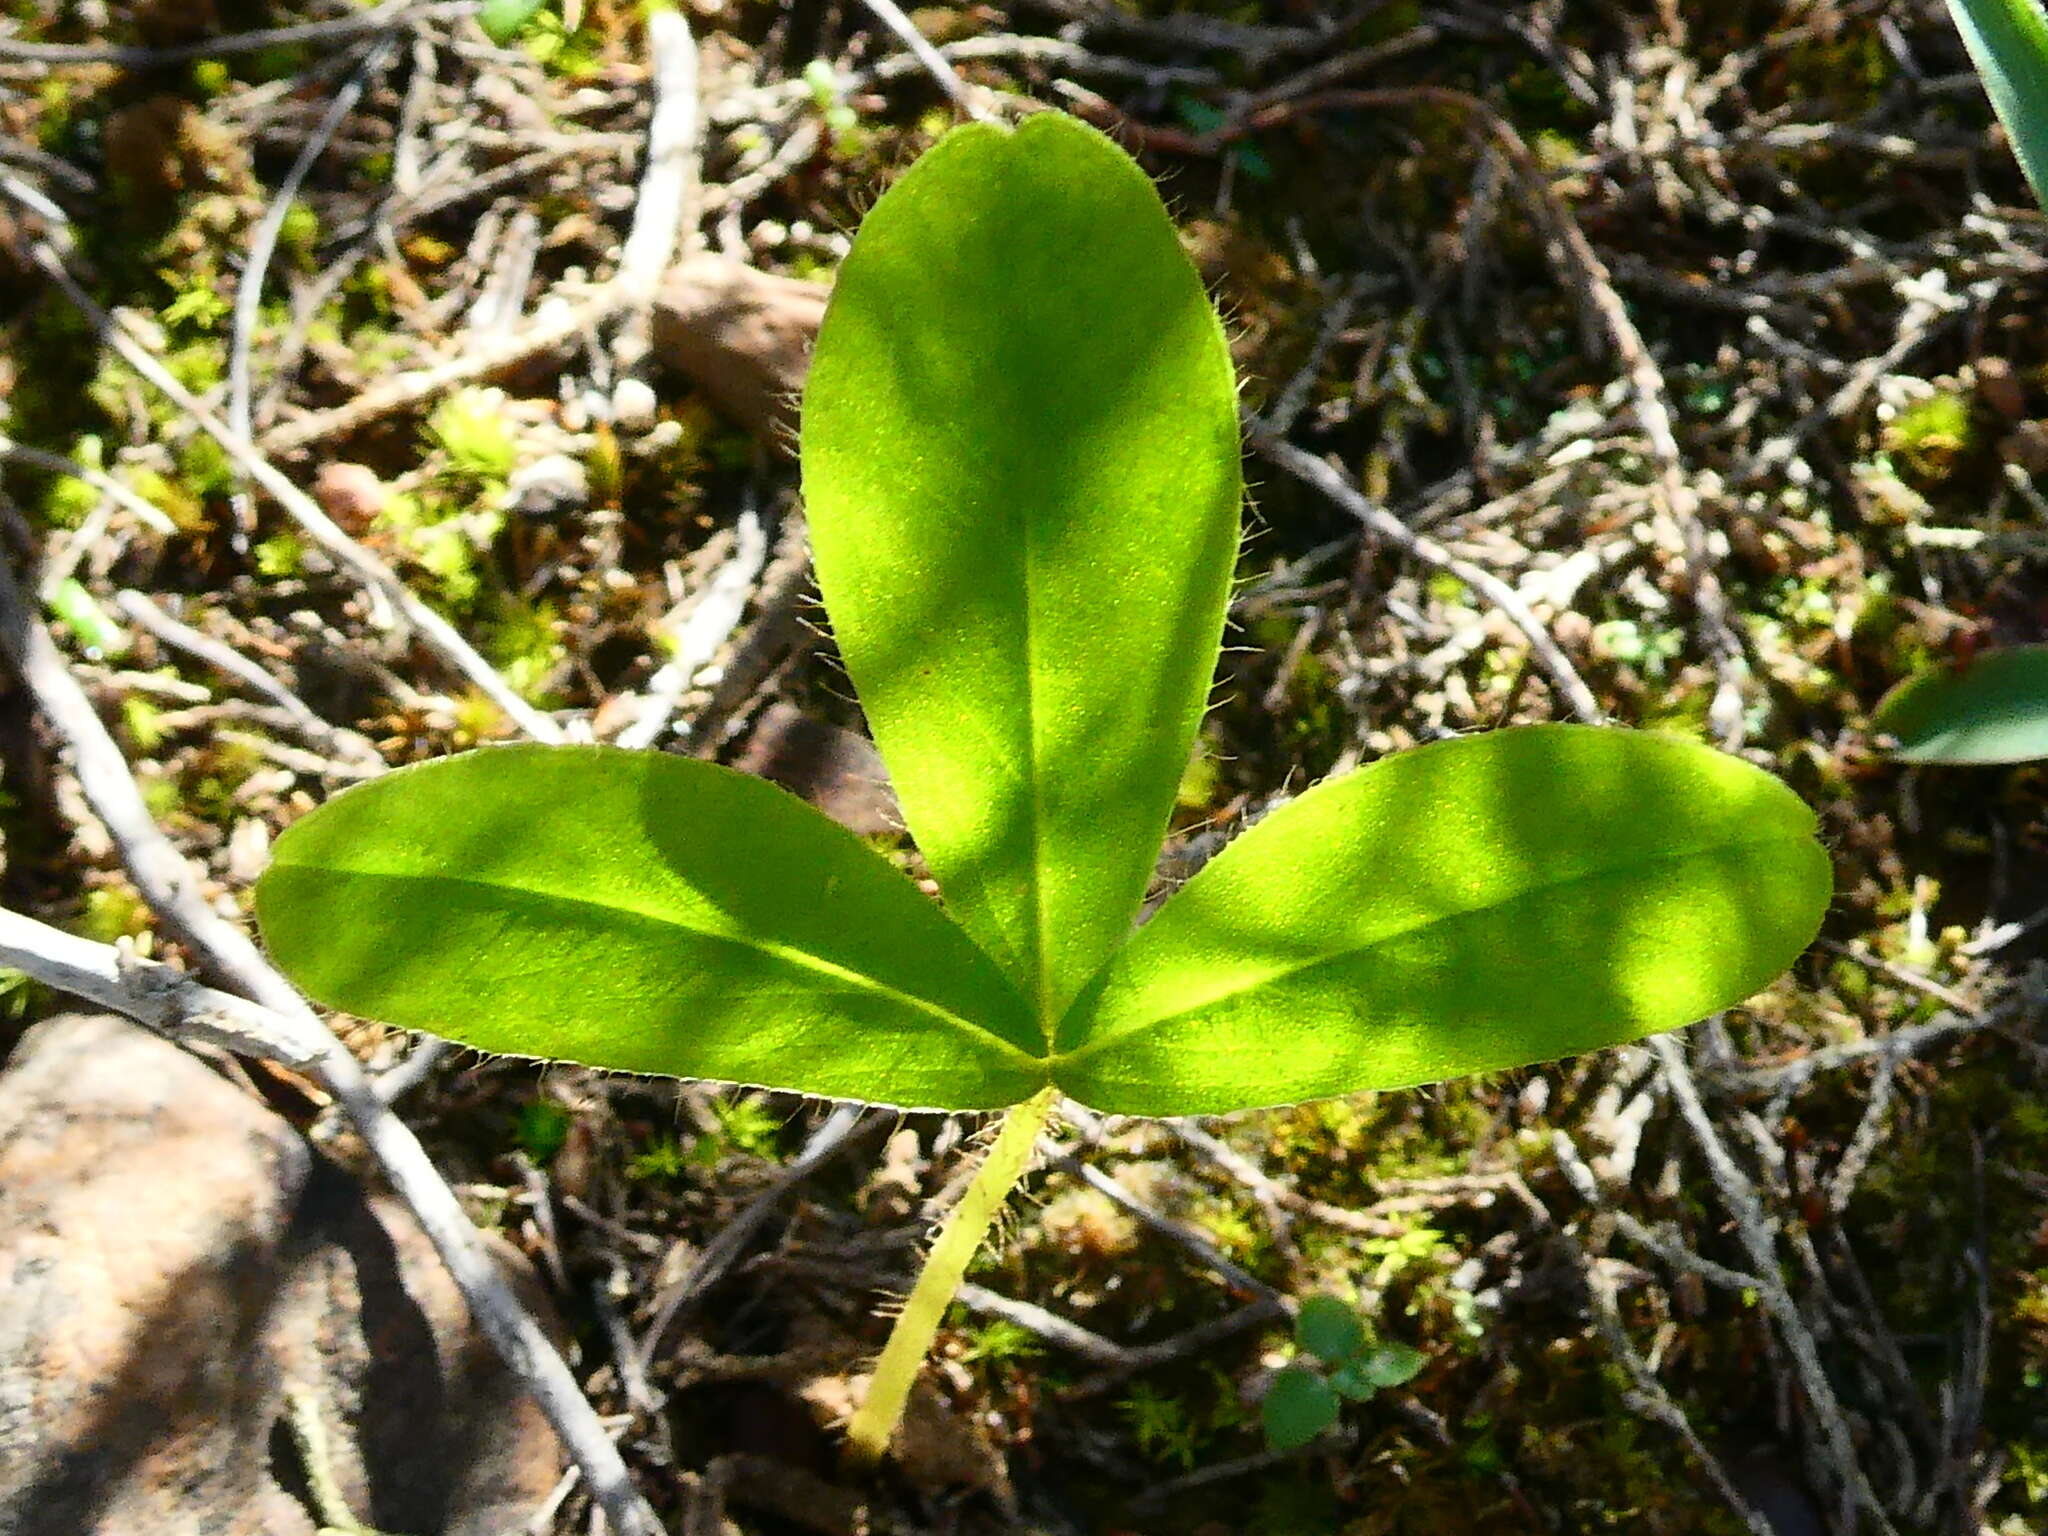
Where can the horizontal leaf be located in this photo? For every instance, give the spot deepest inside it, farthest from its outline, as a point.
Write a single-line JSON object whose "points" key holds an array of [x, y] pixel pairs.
{"points": [[1298, 1406], [1329, 1328], [1020, 455], [1464, 907], [643, 912], [1390, 1365], [2008, 39], [1992, 710]]}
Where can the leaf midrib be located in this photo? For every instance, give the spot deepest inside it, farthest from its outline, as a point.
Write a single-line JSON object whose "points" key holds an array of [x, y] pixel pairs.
{"points": [[1097, 1044], [787, 953]]}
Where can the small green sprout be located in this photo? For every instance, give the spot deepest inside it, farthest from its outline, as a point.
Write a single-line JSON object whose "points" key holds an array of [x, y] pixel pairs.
{"points": [[1341, 1361], [1021, 469], [541, 1128]]}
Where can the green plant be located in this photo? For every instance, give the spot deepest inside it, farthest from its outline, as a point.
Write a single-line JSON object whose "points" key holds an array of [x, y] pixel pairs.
{"points": [[1020, 457], [1991, 708], [1340, 1360]]}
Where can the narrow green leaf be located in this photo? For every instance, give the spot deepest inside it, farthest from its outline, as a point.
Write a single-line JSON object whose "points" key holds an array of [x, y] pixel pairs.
{"points": [[2009, 41], [1298, 1406], [1992, 710], [1468, 906], [1329, 1328], [1021, 468], [95, 630], [644, 912]]}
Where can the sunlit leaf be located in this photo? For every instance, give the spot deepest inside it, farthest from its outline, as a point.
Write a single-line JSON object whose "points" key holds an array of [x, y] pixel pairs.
{"points": [[644, 912], [1467, 906], [2008, 39], [1021, 467], [1992, 710]]}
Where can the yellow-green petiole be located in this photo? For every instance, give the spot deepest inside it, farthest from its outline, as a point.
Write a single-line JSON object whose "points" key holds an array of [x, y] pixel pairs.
{"points": [[867, 1435]]}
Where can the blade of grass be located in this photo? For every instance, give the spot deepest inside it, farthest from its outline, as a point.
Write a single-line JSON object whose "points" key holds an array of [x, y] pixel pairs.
{"points": [[2009, 41]]}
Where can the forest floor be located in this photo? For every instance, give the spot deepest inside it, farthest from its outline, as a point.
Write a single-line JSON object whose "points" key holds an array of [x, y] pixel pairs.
{"points": [[1511, 272]]}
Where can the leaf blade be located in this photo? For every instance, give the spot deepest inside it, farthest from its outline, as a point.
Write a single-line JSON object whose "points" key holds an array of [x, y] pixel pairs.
{"points": [[1464, 907], [1993, 710], [1021, 470], [643, 912], [2008, 39], [1298, 1406]]}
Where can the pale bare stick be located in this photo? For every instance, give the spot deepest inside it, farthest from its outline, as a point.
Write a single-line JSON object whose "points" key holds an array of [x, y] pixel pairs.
{"points": [[163, 997], [1758, 1236], [385, 17], [556, 324], [702, 634], [148, 514], [263, 242], [1304, 465], [662, 217], [303, 510], [173, 890], [349, 746], [934, 63], [663, 207]]}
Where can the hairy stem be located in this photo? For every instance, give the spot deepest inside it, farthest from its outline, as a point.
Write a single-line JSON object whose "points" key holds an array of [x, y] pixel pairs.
{"points": [[961, 1236]]}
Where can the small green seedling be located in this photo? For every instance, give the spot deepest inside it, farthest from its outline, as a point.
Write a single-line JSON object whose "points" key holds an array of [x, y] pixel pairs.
{"points": [[1992, 707], [1340, 1360], [1021, 464]]}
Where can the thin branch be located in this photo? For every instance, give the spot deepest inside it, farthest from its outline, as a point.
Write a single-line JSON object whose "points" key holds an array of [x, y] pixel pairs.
{"points": [[163, 997], [147, 513], [385, 17], [700, 637], [263, 242], [1049, 1326], [174, 893], [723, 1251], [664, 209], [1383, 524], [1759, 1241], [303, 510], [345, 744], [929, 58]]}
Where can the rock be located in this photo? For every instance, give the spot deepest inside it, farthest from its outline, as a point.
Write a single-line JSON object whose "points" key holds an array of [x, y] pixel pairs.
{"points": [[634, 404], [350, 493], [838, 772], [741, 335], [176, 1264], [551, 484]]}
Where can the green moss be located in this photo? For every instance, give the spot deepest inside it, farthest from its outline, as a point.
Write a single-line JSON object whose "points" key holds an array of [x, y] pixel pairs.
{"points": [[469, 428], [1930, 435], [280, 557], [524, 641], [111, 912]]}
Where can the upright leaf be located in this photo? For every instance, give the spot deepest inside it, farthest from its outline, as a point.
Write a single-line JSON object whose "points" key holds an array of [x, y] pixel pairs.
{"points": [[643, 912], [1992, 710], [1471, 905], [1021, 467], [2008, 39]]}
